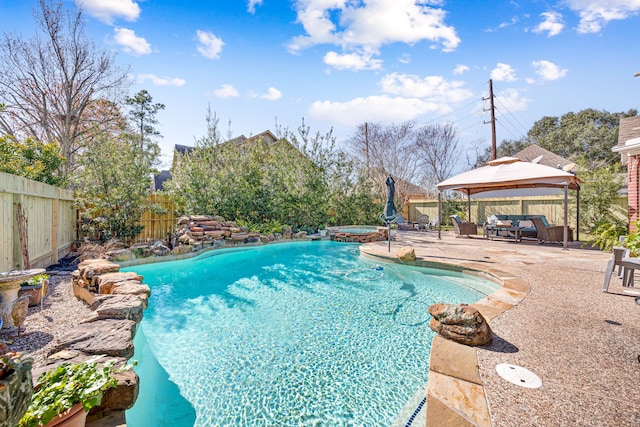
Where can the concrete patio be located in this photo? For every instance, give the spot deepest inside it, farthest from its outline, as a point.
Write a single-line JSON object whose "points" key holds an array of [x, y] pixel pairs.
{"points": [[552, 318]]}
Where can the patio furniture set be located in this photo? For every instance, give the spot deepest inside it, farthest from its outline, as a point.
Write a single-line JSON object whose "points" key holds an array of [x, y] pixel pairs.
{"points": [[423, 224], [514, 227]]}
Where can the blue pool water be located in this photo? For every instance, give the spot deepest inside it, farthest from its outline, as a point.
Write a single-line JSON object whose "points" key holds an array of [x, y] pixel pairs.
{"points": [[291, 334]]}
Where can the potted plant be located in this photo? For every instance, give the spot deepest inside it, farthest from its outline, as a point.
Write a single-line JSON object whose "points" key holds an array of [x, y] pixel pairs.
{"points": [[36, 288], [64, 395], [15, 387], [323, 230]]}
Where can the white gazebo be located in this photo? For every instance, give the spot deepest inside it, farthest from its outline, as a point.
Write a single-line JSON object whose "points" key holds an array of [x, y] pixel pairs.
{"points": [[511, 173]]}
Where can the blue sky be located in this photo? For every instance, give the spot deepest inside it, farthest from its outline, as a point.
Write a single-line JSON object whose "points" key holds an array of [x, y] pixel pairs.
{"points": [[341, 63]]}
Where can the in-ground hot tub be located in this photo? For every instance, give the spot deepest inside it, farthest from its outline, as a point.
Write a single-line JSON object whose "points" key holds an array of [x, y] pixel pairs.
{"points": [[358, 233]]}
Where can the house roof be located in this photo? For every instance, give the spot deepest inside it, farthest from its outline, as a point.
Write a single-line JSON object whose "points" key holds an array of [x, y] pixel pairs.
{"points": [[266, 136], [159, 179], [628, 138], [544, 157], [183, 149], [629, 129]]}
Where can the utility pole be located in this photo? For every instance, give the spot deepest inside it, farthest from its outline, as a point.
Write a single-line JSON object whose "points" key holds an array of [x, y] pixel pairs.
{"points": [[492, 108]]}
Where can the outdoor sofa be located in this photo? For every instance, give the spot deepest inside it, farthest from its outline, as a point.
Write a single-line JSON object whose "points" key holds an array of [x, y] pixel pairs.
{"points": [[527, 229]]}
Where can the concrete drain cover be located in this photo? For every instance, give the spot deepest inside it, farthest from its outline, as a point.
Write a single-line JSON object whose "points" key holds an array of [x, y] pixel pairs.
{"points": [[518, 375]]}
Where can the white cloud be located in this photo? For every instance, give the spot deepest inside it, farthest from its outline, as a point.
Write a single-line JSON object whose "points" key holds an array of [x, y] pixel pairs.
{"points": [[272, 94], [160, 81], [548, 70], [130, 42], [513, 100], [358, 26], [594, 14], [210, 45], [433, 88], [373, 108], [251, 5], [552, 24], [460, 69], [108, 10], [405, 58], [352, 61], [226, 91], [503, 72]]}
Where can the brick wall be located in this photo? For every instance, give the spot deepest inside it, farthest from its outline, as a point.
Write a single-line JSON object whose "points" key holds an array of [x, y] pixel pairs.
{"points": [[632, 174]]}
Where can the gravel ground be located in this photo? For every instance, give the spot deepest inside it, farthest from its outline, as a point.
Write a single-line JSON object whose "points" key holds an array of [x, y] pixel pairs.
{"points": [[60, 312]]}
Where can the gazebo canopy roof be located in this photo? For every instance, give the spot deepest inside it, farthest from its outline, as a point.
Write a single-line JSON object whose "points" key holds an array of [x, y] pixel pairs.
{"points": [[506, 173]]}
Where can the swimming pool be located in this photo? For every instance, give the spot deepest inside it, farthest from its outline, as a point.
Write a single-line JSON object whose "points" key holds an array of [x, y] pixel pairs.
{"points": [[302, 333]]}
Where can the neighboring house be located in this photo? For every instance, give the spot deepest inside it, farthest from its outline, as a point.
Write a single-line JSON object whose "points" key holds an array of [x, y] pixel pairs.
{"points": [[266, 137], [629, 149], [536, 154]]}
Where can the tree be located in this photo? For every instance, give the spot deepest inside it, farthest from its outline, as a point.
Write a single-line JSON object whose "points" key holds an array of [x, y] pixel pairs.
{"points": [[32, 159], [589, 133], [48, 82], [300, 180], [142, 114], [388, 150], [438, 150], [113, 182]]}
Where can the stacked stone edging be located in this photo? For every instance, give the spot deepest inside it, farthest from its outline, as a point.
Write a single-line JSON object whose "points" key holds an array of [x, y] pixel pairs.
{"points": [[374, 236], [117, 300], [194, 233]]}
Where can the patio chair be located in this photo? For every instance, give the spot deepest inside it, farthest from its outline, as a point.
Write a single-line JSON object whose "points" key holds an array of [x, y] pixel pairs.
{"points": [[404, 225], [423, 223], [551, 234], [463, 228], [435, 222], [626, 267]]}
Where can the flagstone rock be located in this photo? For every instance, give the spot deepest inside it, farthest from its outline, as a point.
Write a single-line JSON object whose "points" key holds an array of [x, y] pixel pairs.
{"points": [[119, 398], [105, 282], [113, 337], [128, 307], [460, 323], [95, 267], [120, 255]]}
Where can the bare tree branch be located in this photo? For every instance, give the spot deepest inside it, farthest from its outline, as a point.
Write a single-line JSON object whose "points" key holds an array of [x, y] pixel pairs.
{"points": [[47, 83]]}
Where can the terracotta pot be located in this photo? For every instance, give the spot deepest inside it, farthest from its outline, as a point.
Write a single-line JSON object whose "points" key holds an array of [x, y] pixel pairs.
{"points": [[74, 417], [35, 292]]}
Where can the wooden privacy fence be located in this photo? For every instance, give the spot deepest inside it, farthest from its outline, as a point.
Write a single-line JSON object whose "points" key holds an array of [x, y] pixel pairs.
{"points": [[43, 213], [552, 206], [158, 226]]}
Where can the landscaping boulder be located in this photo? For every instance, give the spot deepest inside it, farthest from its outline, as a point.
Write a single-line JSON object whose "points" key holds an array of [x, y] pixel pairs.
{"points": [[407, 253], [460, 323]]}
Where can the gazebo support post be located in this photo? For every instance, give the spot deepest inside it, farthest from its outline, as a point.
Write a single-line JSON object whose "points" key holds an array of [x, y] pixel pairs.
{"points": [[566, 216], [469, 204], [578, 214], [439, 215]]}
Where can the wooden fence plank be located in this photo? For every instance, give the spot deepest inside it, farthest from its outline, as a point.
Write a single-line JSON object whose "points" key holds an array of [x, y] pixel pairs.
{"points": [[50, 214]]}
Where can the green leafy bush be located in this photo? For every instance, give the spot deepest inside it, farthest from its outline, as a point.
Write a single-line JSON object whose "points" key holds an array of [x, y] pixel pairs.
{"points": [[59, 389], [607, 234]]}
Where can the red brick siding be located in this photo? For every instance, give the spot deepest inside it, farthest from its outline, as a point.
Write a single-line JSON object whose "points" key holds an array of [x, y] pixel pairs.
{"points": [[632, 173]]}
